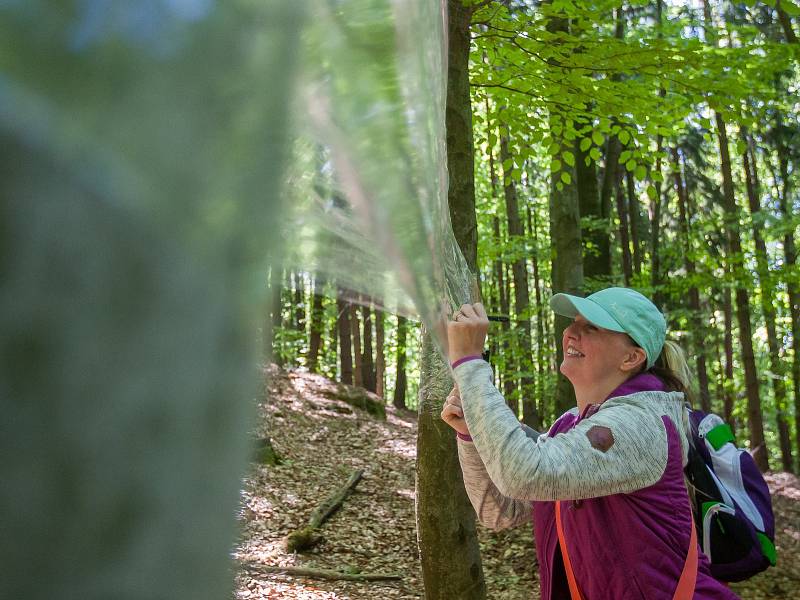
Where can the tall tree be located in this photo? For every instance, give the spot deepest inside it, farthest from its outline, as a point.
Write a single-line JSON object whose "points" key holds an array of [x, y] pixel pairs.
{"points": [[368, 365], [345, 355], [316, 327], [400, 385], [380, 354], [449, 552]]}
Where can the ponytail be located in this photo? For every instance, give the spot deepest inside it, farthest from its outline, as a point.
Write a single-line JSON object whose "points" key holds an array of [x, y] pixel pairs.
{"points": [[671, 368]]}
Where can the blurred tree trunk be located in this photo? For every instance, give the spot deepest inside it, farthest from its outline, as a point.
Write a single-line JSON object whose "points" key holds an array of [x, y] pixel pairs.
{"points": [[594, 235], [276, 304], [400, 386], [345, 356], [448, 543], [698, 334], [298, 303], [368, 365], [355, 335], [380, 354], [541, 338], [735, 258], [519, 269], [316, 327], [769, 299], [727, 308]]}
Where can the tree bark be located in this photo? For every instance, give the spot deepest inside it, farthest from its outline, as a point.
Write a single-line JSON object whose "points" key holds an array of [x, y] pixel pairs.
{"points": [[768, 299], [635, 217], [622, 213], [727, 383], [277, 315], [448, 543], [345, 356], [754, 416], [298, 308], [399, 398], [786, 23], [315, 327]]}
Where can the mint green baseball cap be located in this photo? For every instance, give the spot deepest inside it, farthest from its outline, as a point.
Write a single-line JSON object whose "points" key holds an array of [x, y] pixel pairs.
{"points": [[619, 309]]}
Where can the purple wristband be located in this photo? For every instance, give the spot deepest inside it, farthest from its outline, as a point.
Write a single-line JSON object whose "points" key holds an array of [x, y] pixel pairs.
{"points": [[464, 359], [466, 438]]}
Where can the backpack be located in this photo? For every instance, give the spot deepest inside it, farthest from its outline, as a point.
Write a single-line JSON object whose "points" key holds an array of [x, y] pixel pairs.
{"points": [[731, 502]]}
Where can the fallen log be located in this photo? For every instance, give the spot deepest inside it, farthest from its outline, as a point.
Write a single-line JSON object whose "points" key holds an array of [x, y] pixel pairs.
{"points": [[321, 573], [306, 538]]}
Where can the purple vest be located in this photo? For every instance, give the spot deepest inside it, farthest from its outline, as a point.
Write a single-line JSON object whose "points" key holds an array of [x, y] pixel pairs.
{"points": [[624, 546]]}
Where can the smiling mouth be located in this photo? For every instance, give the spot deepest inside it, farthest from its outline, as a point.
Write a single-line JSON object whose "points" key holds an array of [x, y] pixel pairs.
{"points": [[572, 353]]}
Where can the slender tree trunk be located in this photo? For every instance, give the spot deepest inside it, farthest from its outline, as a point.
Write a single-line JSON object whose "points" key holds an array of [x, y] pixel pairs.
{"points": [[698, 334], [622, 212], [541, 339], [754, 416], [786, 24], [597, 250], [768, 299], [380, 354], [298, 308], [316, 328], [277, 315], [448, 542], [727, 308], [345, 355], [635, 219], [519, 270], [355, 336], [367, 364], [400, 386]]}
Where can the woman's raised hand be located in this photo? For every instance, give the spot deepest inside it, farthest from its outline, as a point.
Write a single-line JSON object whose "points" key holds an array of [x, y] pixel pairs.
{"points": [[466, 333], [452, 414]]}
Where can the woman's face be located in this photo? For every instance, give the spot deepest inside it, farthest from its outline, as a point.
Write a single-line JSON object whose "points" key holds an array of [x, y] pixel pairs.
{"points": [[592, 354]]}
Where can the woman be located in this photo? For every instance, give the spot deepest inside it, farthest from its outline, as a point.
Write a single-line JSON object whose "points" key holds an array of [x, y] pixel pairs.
{"points": [[607, 478]]}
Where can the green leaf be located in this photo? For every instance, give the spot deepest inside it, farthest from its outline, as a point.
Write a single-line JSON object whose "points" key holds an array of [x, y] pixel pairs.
{"points": [[566, 177], [598, 138], [555, 165], [651, 192], [630, 165], [559, 186], [640, 173], [790, 8], [568, 157], [625, 156], [624, 137], [507, 164], [585, 143], [656, 176], [595, 153], [741, 147]]}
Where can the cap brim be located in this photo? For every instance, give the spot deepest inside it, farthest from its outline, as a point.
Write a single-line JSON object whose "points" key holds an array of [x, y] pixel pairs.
{"points": [[570, 306]]}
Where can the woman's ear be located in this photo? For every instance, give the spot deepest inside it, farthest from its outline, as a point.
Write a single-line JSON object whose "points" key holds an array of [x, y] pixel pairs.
{"points": [[633, 360]]}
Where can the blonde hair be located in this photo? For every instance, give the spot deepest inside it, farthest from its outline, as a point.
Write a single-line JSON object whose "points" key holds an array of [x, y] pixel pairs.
{"points": [[673, 369]]}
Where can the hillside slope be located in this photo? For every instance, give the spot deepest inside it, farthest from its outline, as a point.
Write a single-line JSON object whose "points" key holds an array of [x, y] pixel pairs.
{"points": [[322, 439]]}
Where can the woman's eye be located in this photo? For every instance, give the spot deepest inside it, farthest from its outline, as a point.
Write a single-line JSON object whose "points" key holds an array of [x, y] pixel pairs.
{"points": [[591, 328]]}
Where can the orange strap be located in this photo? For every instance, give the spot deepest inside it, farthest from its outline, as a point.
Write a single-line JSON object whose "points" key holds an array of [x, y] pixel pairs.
{"points": [[686, 583], [574, 592]]}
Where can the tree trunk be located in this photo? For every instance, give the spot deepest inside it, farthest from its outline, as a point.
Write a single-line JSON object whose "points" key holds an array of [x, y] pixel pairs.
{"points": [[277, 315], [768, 299], [541, 339], [316, 327], [622, 213], [367, 364], [519, 269], [635, 217], [355, 336], [399, 399], [448, 542], [754, 416], [727, 383], [566, 244], [597, 253], [786, 24], [698, 334], [298, 303], [345, 356], [380, 354]]}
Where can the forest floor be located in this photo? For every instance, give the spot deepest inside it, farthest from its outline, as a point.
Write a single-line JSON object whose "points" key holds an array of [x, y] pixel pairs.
{"points": [[322, 440]]}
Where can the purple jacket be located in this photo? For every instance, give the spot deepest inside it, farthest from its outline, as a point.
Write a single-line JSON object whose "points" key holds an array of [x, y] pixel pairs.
{"points": [[647, 531]]}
